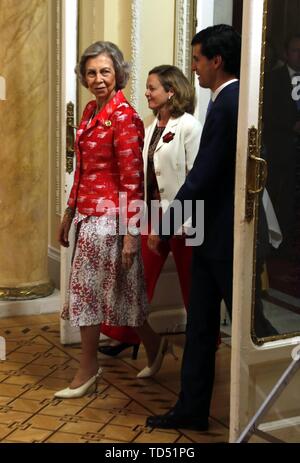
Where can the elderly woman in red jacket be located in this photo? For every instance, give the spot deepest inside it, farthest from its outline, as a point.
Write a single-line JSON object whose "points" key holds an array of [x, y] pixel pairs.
{"points": [[107, 281]]}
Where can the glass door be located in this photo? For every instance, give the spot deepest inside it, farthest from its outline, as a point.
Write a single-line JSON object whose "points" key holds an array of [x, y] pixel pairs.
{"points": [[266, 303]]}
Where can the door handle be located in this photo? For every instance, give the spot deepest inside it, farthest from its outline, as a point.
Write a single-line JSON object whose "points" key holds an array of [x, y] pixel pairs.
{"points": [[70, 137], [262, 166], [257, 173]]}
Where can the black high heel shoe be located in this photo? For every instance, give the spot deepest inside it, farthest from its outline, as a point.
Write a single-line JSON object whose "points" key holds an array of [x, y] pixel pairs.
{"points": [[112, 351]]}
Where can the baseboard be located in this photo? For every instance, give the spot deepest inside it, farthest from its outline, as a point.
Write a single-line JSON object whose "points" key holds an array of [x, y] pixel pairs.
{"points": [[42, 305], [280, 424], [162, 319]]}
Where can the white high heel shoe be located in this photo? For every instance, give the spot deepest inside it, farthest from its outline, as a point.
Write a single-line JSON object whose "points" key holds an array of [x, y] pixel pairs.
{"points": [[164, 348], [80, 391]]}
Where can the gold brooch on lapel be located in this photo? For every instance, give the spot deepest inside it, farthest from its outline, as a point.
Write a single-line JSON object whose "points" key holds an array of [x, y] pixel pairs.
{"points": [[107, 123]]}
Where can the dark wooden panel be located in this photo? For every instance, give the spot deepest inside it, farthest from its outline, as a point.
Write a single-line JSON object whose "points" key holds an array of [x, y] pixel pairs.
{"points": [[237, 15]]}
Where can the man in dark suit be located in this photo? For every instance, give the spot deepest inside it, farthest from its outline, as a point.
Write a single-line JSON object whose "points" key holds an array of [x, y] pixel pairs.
{"points": [[216, 61], [281, 137]]}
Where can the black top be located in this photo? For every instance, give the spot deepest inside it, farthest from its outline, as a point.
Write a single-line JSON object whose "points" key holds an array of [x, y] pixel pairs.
{"points": [[152, 186]]}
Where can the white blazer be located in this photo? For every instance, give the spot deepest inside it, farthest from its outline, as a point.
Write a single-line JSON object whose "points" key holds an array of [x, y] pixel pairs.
{"points": [[173, 160]]}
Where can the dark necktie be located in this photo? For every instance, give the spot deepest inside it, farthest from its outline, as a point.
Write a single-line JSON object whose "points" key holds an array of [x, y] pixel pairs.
{"points": [[210, 103]]}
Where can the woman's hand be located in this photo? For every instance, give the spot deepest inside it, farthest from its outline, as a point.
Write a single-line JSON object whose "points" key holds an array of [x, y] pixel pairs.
{"points": [[130, 247], [63, 231]]}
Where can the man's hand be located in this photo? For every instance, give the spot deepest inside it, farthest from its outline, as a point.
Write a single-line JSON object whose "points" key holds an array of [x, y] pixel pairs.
{"points": [[154, 243]]}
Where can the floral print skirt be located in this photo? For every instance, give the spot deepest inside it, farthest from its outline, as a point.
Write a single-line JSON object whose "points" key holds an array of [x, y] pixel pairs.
{"points": [[100, 290]]}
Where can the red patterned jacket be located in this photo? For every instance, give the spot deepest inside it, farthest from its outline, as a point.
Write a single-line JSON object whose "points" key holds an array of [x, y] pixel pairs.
{"points": [[108, 158]]}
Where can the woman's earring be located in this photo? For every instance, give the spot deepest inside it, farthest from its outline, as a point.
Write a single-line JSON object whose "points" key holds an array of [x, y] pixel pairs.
{"points": [[169, 97]]}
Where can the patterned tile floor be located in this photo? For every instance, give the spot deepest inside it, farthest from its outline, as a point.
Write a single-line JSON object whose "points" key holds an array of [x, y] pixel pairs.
{"points": [[36, 365]]}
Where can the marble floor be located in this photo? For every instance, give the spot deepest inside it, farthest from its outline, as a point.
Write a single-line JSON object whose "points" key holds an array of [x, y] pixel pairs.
{"points": [[37, 364]]}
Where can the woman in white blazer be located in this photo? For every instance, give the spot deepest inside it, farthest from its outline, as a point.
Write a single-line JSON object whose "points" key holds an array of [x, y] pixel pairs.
{"points": [[170, 147]]}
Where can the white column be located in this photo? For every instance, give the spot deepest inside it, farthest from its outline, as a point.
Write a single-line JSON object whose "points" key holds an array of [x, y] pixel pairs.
{"points": [[24, 151]]}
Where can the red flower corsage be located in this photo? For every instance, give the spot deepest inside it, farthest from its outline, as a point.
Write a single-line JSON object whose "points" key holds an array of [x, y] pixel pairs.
{"points": [[168, 137]]}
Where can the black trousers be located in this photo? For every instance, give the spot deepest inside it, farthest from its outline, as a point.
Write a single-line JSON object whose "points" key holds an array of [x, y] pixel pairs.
{"points": [[211, 282]]}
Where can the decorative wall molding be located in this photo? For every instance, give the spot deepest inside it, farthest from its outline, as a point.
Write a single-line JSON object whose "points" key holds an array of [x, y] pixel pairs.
{"points": [[94, 19], [54, 265], [58, 107], [34, 291], [185, 26], [2, 88], [135, 51], [54, 253]]}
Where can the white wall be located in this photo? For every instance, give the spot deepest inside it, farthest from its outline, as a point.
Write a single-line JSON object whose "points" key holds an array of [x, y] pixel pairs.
{"points": [[157, 27], [205, 18], [210, 12], [223, 12]]}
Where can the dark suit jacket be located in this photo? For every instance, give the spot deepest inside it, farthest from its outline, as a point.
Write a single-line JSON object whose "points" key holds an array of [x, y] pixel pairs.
{"points": [[212, 177]]}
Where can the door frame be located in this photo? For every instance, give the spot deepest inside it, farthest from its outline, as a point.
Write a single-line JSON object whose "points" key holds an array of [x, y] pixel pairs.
{"points": [[68, 93]]}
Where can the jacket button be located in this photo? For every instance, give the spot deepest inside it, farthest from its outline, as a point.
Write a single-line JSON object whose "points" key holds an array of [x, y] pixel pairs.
{"points": [[157, 173], [161, 190]]}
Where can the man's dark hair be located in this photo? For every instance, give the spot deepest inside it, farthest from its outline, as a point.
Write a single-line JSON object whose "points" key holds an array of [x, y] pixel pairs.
{"points": [[221, 40]]}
